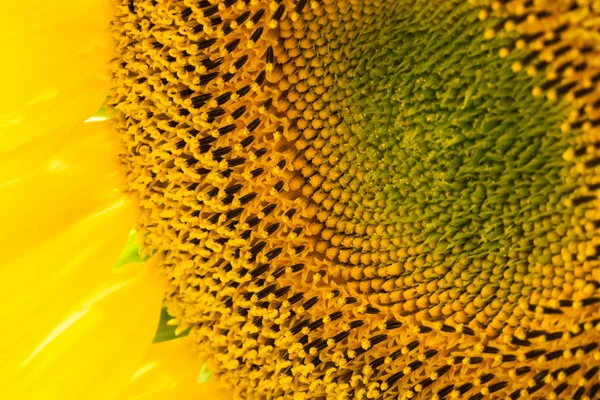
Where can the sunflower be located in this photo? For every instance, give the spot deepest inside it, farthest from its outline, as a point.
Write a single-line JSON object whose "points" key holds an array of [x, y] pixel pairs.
{"points": [[340, 199]]}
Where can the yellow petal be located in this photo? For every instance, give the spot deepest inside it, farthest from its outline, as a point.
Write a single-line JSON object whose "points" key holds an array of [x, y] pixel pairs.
{"points": [[45, 66], [170, 370], [92, 351], [41, 14], [78, 179], [38, 287], [23, 130], [207, 390]]}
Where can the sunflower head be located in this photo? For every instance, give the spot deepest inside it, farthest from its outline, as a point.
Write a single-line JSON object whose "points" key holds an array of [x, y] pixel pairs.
{"points": [[371, 199]]}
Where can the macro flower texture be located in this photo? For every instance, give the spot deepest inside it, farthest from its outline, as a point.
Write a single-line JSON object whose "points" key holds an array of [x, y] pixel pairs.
{"points": [[333, 199]]}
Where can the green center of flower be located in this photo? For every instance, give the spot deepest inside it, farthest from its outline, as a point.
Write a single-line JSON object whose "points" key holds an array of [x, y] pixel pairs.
{"points": [[440, 148]]}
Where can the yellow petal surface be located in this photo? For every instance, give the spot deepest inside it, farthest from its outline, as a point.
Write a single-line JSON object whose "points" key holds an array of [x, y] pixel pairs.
{"points": [[41, 15], [92, 351], [38, 287], [38, 133], [50, 52], [170, 370], [82, 176]]}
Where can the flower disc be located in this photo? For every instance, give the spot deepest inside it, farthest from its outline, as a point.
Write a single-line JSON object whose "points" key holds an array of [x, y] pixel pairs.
{"points": [[372, 199]]}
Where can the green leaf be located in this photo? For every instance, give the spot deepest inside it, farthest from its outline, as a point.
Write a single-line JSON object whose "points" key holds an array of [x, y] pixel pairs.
{"points": [[204, 375], [167, 332], [130, 253]]}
